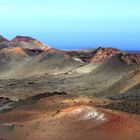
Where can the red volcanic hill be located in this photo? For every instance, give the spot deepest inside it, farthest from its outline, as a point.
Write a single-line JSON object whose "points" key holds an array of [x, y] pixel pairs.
{"points": [[102, 54], [131, 58], [3, 42], [30, 50], [28, 43], [25, 55], [2, 39], [23, 38], [98, 55]]}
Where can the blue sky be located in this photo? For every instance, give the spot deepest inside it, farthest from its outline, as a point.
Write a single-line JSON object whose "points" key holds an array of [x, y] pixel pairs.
{"points": [[72, 24]]}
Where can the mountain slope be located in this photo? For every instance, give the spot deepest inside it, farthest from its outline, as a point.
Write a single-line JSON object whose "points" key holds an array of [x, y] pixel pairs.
{"points": [[100, 78], [28, 42], [127, 83], [2, 39], [50, 63]]}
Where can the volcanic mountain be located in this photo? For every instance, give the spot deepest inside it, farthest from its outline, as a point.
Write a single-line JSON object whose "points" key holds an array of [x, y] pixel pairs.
{"points": [[98, 55], [26, 56], [3, 42], [36, 58], [101, 77], [28, 42], [2, 39], [103, 54], [52, 94]]}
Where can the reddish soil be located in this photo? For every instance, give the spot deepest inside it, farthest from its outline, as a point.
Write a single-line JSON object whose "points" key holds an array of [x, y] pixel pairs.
{"points": [[102, 54], [67, 118]]}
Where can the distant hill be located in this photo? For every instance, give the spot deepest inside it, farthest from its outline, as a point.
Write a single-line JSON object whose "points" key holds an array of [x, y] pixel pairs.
{"points": [[3, 39], [26, 56]]}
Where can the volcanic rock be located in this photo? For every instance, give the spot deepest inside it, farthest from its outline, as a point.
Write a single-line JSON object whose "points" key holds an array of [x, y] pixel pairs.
{"points": [[28, 42], [131, 59], [102, 54], [2, 39]]}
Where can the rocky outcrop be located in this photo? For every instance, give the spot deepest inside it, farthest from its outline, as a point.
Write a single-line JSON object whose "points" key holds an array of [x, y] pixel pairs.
{"points": [[98, 55], [131, 59], [103, 54], [23, 38], [28, 42]]}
